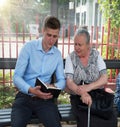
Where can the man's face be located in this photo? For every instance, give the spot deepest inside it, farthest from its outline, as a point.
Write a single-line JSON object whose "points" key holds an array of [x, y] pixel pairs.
{"points": [[50, 37]]}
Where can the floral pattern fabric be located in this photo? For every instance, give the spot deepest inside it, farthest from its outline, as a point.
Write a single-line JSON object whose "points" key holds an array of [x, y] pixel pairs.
{"points": [[89, 73]]}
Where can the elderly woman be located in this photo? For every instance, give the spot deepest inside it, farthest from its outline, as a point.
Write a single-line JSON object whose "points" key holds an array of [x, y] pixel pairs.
{"points": [[85, 64]]}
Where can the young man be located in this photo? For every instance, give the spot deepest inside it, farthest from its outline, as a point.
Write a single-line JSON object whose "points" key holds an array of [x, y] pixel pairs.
{"points": [[38, 59]]}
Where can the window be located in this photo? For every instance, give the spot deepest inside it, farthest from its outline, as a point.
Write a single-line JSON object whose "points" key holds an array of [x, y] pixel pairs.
{"points": [[83, 2], [77, 19], [83, 18], [78, 3]]}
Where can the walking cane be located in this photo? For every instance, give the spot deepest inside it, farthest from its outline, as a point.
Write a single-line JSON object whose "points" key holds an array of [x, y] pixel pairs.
{"points": [[88, 111], [88, 116]]}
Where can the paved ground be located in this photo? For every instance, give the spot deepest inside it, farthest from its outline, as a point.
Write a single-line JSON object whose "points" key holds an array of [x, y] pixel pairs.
{"points": [[63, 125]]}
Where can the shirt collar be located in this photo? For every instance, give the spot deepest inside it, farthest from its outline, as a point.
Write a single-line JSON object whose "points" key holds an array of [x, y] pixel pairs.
{"points": [[39, 46]]}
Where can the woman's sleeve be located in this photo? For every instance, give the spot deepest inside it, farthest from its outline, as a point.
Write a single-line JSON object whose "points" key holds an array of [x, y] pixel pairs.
{"points": [[69, 68], [101, 63]]}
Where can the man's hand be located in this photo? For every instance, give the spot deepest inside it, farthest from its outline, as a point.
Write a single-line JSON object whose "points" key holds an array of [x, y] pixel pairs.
{"points": [[38, 93]]}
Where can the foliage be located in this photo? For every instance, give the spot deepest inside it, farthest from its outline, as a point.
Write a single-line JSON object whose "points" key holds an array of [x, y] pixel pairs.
{"points": [[7, 94], [25, 11], [63, 98], [7, 91], [29, 8], [31, 12], [111, 9], [111, 51]]}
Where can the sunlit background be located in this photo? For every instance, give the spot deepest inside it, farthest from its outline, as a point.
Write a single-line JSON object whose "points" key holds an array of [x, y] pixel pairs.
{"points": [[3, 2]]}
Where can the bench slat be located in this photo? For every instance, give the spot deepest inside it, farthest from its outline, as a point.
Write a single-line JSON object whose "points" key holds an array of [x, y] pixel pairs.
{"points": [[64, 109], [9, 63]]}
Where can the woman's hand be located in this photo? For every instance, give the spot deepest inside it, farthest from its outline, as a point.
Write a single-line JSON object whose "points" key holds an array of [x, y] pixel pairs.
{"points": [[86, 98]]}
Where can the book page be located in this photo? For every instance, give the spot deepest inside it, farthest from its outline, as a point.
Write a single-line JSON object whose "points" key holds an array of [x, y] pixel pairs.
{"points": [[49, 87]]}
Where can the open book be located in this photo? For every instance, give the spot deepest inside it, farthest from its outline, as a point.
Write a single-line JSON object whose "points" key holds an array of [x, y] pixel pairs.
{"points": [[44, 88]]}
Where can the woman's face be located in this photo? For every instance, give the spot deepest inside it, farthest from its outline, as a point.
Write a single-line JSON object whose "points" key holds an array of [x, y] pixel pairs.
{"points": [[80, 45], [50, 37]]}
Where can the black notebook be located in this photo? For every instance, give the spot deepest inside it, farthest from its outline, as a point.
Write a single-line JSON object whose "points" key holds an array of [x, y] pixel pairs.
{"points": [[44, 88]]}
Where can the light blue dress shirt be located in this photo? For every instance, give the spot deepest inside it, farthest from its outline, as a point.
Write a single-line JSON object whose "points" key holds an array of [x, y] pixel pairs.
{"points": [[34, 62]]}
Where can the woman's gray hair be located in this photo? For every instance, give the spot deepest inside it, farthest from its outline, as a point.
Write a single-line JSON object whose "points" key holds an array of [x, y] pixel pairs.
{"points": [[85, 32]]}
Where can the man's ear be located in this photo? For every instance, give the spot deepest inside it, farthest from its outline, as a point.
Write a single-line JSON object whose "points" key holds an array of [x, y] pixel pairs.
{"points": [[56, 43]]}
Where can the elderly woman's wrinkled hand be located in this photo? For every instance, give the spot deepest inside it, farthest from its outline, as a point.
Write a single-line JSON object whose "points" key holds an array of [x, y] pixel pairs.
{"points": [[86, 98], [80, 90]]}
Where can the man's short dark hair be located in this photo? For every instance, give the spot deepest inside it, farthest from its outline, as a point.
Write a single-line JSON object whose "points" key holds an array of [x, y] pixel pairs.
{"points": [[51, 22]]}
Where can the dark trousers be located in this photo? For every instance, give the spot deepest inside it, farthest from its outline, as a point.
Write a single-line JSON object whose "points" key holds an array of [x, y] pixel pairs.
{"points": [[95, 121], [25, 105]]}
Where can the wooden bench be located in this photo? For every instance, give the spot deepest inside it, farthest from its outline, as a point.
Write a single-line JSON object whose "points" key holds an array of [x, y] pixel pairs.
{"points": [[64, 109]]}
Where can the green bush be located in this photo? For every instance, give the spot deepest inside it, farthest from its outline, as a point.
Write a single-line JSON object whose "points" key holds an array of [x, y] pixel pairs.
{"points": [[7, 94], [63, 98]]}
